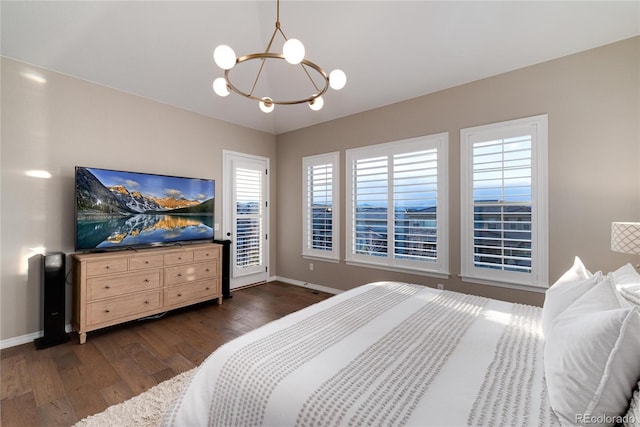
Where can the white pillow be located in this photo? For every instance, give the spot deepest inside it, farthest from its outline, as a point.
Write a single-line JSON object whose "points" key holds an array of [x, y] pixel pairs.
{"points": [[577, 272], [632, 418], [559, 297], [627, 281], [574, 283], [625, 275], [592, 357]]}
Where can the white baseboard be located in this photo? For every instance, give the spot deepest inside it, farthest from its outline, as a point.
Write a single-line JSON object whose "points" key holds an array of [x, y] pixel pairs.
{"points": [[24, 339], [308, 285]]}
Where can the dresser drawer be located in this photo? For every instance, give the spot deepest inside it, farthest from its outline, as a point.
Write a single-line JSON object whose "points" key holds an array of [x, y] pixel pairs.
{"points": [[190, 273], [206, 254], [178, 258], [202, 290], [107, 266], [151, 261], [118, 284], [126, 306]]}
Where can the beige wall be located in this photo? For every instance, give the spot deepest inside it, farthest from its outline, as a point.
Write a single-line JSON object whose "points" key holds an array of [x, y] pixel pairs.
{"points": [[65, 122], [592, 100]]}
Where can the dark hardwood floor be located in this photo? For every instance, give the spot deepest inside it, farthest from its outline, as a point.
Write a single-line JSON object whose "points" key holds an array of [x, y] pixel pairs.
{"points": [[61, 385]]}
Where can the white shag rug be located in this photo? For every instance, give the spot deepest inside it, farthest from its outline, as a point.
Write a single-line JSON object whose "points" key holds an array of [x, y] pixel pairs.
{"points": [[143, 410]]}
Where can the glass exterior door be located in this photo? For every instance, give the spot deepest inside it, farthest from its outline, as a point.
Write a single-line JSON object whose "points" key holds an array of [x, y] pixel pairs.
{"points": [[246, 207]]}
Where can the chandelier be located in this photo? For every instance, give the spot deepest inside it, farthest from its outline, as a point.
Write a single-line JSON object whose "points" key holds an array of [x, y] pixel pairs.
{"points": [[293, 52]]}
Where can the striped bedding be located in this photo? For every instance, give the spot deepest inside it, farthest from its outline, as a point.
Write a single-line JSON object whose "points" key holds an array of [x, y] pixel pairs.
{"points": [[385, 353]]}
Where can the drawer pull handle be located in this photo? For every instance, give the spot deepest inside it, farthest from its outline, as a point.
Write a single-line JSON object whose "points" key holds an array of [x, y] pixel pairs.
{"points": [[107, 311], [207, 288], [179, 295], [146, 302], [106, 266], [107, 287], [179, 274], [180, 258], [146, 262], [207, 270], [146, 280]]}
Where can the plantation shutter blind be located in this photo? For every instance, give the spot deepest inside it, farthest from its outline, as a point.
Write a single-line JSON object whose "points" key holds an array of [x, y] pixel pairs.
{"points": [[319, 207], [249, 227], [370, 205], [502, 204], [415, 196]]}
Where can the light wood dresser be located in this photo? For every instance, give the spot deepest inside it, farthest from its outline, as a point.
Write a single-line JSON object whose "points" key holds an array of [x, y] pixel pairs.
{"points": [[115, 287]]}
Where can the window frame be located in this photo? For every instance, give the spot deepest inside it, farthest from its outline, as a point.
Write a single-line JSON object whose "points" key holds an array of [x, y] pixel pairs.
{"points": [[538, 278], [439, 268], [308, 162]]}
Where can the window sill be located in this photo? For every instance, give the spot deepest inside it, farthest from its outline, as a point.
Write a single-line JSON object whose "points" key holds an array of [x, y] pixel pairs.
{"points": [[517, 286], [436, 274], [320, 258]]}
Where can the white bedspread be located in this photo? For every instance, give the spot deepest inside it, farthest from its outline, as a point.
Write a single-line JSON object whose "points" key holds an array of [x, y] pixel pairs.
{"points": [[385, 353]]}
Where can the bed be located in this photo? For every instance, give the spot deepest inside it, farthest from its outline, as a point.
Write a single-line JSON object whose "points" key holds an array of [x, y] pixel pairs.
{"points": [[386, 353]]}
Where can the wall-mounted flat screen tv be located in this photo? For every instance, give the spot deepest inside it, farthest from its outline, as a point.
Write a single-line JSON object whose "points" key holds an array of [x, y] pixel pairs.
{"points": [[117, 209]]}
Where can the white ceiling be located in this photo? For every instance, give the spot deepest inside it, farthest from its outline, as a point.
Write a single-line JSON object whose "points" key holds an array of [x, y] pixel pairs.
{"points": [[390, 50]]}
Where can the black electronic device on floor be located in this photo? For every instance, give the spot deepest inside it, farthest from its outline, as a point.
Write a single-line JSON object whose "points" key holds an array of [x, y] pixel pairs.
{"points": [[226, 267], [53, 294]]}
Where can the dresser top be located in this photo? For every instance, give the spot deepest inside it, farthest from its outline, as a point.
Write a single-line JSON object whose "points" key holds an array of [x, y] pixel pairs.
{"points": [[128, 253]]}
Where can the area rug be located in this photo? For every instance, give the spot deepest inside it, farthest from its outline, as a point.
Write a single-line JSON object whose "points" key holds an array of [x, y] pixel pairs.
{"points": [[143, 410]]}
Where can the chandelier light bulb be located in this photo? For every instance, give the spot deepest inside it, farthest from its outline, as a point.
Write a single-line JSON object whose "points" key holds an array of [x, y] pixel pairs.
{"points": [[293, 51], [316, 104], [220, 87], [266, 105], [337, 79], [225, 57]]}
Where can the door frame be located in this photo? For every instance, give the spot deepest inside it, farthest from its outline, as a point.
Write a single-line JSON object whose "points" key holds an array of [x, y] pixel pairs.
{"points": [[227, 212]]}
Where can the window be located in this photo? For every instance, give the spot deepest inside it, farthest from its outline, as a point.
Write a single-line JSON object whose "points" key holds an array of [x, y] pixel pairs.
{"points": [[321, 179], [504, 203], [397, 198]]}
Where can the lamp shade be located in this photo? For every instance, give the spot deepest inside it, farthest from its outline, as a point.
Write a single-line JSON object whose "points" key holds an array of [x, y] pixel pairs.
{"points": [[224, 57], [337, 79], [266, 105], [293, 51], [625, 237], [317, 104], [220, 87]]}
